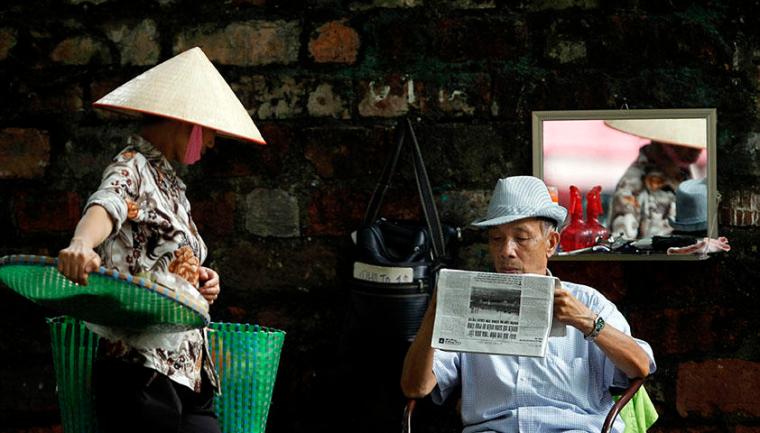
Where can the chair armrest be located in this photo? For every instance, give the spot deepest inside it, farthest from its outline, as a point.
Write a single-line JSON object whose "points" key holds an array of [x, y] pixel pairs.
{"points": [[624, 398], [406, 419]]}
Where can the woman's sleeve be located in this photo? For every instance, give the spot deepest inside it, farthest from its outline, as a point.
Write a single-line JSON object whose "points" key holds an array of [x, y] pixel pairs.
{"points": [[625, 211], [119, 188]]}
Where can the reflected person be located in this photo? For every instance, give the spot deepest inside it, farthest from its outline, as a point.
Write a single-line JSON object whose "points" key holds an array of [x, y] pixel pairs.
{"points": [[644, 198]]}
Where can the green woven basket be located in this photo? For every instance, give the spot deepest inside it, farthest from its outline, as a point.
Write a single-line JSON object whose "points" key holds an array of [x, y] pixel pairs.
{"points": [[110, 298], [246, 357], [74, 349]]}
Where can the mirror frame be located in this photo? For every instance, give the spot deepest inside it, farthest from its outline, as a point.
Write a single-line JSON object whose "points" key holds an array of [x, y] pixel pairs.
{"points": [[709, 114]]}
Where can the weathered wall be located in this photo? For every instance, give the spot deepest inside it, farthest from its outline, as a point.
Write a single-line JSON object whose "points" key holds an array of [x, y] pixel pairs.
{"points": [[325, 81]]}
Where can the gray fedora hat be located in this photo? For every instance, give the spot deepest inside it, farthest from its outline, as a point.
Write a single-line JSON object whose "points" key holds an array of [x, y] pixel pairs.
{"points": [[520, 197], [691, 206]]}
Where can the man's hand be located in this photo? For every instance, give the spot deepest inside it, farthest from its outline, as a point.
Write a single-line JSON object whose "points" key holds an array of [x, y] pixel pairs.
{"points": [[209, 280], [77, 260], [571, 311]]}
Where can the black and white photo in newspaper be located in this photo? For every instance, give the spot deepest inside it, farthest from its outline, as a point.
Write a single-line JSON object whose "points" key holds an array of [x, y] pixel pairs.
{"points": [[485, 312]]}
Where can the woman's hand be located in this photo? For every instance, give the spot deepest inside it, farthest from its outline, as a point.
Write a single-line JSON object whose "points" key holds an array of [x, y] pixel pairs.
{"points": [[77, 260], [209, 280]]}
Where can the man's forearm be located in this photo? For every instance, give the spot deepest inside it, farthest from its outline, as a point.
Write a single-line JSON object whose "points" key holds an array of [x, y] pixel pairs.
{"points": [[622, 349], [417, 378], [623, 352]]}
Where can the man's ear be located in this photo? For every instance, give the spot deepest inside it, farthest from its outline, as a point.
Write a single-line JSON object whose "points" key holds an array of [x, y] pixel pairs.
{"points": [[552, 242]]}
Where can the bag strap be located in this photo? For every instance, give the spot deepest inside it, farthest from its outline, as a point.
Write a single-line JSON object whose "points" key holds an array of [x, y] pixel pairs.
{"points": [[424, 189], [384, 182], [426, 194]]}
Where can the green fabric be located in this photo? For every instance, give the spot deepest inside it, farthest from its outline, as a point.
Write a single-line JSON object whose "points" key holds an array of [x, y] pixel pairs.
{"points": [[639, 414], [246, 358]]}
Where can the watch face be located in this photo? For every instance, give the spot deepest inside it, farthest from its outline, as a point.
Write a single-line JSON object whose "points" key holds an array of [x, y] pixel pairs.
{"points": [[598, 325]]}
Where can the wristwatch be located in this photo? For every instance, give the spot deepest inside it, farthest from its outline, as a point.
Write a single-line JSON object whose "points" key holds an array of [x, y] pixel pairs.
{"points": [[598, 326]]}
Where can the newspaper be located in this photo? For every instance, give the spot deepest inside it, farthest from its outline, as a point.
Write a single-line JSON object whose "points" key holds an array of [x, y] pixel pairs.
{"points": [[485, 312]]}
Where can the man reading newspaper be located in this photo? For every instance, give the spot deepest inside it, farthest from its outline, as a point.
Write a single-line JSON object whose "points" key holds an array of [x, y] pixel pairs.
{"points": [[568, 388]]}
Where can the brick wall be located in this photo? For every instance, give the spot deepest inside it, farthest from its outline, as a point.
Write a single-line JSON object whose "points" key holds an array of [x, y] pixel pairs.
{"points": [[325, 81]]}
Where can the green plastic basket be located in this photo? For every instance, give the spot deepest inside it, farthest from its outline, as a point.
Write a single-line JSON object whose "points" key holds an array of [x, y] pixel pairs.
{"points": [[110, 298], [74, 350], [246, 357]]}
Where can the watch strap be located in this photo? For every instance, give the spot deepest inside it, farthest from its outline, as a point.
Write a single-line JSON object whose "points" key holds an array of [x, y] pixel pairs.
{"points": [[598, 326]]}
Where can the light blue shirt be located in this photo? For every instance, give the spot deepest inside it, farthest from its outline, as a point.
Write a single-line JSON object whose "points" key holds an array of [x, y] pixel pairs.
{"points": [[568, 390]]}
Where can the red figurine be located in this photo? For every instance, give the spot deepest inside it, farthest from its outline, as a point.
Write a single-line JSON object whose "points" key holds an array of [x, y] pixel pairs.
{"points": [[593, 210], [575, 235]]}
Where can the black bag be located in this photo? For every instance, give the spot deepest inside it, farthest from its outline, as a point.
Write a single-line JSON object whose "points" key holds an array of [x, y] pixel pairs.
{"points": [[395, 262]]}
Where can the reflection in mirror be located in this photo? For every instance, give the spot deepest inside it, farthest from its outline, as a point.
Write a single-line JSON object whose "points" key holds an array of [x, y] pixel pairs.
{"points": [[640, 175]]}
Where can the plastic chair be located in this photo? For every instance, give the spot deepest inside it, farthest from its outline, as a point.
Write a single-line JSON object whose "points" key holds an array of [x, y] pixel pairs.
{"points": [[246, 357], [626, 395]]}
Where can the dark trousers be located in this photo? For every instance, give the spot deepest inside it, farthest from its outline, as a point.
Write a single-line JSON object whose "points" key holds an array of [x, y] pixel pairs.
{"points": [[130, 398]]}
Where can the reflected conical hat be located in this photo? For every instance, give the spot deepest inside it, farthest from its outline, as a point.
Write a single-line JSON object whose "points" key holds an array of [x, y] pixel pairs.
{"points": [[186, 87], [682, 132]]}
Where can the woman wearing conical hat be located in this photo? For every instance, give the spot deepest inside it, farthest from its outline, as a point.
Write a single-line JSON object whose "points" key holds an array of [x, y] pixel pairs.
{"points": [[139, 222], [644, 198]]}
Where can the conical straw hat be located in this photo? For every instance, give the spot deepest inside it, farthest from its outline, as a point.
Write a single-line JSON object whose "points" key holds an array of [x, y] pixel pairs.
{"points": [[186, 87], [682, 132]]}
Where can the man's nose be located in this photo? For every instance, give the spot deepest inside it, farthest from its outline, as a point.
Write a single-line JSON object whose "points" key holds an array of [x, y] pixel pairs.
{"points": [[509, 249]]}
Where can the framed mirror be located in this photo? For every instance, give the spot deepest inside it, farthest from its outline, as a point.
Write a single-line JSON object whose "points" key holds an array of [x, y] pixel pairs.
{"points": [[646, 176]]}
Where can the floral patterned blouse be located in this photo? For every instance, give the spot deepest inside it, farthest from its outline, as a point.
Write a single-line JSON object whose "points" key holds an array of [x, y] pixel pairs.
{"points": [[153, 231], [645, 195]]}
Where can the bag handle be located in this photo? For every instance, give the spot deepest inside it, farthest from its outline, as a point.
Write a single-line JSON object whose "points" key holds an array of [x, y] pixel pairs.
{"points": [[424, 189], [385, 179], [428, 201]]}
